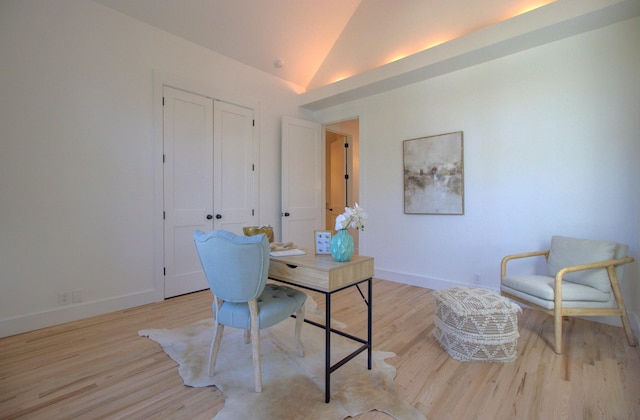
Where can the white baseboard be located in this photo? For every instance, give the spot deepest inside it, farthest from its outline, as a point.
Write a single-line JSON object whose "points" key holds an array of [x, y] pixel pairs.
{"points": [[73, 312], [437, 284], [420, 281]]}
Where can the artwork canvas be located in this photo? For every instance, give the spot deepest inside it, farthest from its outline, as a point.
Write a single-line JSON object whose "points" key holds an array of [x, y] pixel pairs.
{"points": [[434, 175]]}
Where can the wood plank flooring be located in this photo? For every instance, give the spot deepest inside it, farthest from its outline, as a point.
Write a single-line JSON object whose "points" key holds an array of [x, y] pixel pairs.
{"points": [[100, 368]]}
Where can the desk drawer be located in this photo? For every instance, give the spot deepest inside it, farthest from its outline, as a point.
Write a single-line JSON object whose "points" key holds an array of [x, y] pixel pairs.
{"points": [[302, 275], [325, 277]]}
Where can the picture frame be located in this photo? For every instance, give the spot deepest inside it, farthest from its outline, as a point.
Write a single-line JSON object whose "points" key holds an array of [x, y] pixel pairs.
{"points": [[322, 241], [434, 174]]}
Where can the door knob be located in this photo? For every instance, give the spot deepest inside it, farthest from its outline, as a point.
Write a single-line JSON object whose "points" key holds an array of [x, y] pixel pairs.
{"points": [[218, 216], [286, 214], [209, 216]]}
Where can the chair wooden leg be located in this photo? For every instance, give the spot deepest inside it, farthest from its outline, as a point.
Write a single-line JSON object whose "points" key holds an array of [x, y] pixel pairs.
{"points": [[628, 331], [298, 331], [255, 345], [215, 347], [615, 286], [557, 327], [557, 311]]}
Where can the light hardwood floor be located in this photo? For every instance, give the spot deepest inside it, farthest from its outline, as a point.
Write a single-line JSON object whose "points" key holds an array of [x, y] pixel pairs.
{"points": [[100, 368]]}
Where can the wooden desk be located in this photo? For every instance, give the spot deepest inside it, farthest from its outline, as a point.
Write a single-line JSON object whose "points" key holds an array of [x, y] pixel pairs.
{"points": [[322, 274]]}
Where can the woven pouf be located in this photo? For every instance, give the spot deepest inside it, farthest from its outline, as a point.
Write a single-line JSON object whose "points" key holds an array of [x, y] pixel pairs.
{"points": [[476, 325]]}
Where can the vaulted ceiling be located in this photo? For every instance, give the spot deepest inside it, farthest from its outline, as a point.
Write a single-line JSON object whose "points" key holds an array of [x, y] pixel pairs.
{"points": [[370, 45], [311, 43]]}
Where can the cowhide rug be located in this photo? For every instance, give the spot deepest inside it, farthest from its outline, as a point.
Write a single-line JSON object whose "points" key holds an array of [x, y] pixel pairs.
{"points": [[292, 387]]}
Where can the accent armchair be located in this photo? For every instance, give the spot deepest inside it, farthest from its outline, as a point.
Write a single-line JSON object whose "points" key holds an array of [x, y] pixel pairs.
{"points": [[236, 268], [581, 280]]}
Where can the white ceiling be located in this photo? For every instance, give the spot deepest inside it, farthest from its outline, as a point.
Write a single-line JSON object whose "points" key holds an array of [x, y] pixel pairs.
{"points": [[320, 41]]}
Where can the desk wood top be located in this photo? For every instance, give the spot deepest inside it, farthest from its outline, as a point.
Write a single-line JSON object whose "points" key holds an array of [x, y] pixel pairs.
{"points": [[319, 261], [321, 272]]}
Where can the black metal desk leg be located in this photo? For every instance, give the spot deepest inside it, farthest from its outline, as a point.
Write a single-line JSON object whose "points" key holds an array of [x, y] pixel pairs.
{"points": [[369, 322], [327, 349]]}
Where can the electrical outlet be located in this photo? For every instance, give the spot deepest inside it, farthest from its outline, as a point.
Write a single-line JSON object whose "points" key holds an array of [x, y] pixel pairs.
{"points": [[76, 296], [476, 279], [64, 298]]}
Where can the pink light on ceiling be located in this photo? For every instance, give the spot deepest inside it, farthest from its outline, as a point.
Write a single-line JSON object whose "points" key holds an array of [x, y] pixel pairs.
{"points": [[529, 7], [444, 33]]}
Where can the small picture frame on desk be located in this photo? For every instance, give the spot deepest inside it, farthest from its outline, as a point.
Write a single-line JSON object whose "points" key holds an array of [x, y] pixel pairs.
{"points": [[323, 241]]}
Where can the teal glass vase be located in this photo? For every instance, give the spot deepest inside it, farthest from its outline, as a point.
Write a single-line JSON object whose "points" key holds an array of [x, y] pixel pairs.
{"points": [[342, 246]]}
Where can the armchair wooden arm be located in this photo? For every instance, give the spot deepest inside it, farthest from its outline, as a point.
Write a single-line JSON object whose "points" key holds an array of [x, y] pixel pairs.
{"points": [[505, 260], [608, 264], [601, 264], [611, 271]]}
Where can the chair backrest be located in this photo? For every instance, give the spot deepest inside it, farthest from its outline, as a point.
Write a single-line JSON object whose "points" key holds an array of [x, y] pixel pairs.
{"points": [[236, 267], [565, 252]]}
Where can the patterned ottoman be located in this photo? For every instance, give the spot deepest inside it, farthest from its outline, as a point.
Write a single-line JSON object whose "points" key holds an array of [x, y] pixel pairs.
{"points": [[476, 325]]}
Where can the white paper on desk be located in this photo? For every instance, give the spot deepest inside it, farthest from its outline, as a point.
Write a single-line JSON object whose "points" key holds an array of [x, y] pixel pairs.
{"points": [[287, 253]]}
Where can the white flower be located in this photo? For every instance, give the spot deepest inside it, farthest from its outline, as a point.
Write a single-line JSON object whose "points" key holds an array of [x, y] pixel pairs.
{"points": [[352, 217]]}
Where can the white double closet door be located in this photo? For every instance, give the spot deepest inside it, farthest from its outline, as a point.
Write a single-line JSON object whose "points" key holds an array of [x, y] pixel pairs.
{"points": [[209, 179]]}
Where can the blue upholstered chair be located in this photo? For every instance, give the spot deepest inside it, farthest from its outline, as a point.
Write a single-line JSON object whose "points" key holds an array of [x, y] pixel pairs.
{"points": [[581, 280], [236, 268]]}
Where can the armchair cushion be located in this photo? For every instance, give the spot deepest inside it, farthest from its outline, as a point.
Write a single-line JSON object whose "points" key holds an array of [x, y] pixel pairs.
{"points": [[541, 287], [566, 252]]}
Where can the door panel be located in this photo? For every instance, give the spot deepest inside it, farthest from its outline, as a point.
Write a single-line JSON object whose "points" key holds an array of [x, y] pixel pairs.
{"points": [[188, 152], [302, 171], [234, 167]]}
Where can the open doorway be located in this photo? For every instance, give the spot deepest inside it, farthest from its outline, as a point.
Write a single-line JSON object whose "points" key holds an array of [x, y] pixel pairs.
{"points": [[342, 171]]}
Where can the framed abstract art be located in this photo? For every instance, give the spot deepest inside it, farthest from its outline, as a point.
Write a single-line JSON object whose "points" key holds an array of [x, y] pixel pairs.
{"points": [[434, 174]]}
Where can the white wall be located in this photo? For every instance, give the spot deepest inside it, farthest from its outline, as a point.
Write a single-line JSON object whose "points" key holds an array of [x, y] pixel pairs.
{"points": [[78, 157], [551, 146]]}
